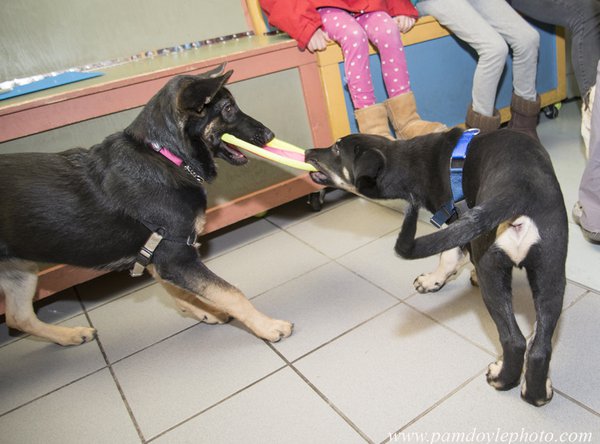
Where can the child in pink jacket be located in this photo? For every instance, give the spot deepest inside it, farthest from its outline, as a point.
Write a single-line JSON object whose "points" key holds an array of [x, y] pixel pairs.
{"points": [[352, 24]]}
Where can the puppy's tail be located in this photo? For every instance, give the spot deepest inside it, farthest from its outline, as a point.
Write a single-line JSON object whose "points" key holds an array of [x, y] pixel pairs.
{"points": [[472, 224]]}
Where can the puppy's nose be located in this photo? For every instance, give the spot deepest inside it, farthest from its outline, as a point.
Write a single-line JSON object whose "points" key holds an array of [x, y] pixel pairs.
{"points": [[310, 154], [268, 135]]}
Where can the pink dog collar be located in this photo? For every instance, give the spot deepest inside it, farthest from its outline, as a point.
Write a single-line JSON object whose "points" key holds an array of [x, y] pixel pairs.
{"points": [[169, 155], [166, 153], [176, 160]]}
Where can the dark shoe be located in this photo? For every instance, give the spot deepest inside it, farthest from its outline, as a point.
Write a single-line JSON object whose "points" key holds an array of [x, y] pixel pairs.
{"points": [[485, 124], [592, 236], [525, 115]]}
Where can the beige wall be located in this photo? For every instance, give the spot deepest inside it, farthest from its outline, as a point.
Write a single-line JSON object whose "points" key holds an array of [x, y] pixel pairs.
{"points": [[42, 36]]}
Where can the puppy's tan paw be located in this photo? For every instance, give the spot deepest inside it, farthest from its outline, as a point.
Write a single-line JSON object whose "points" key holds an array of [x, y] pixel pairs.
{"points": [[274, 330], [77, 336]]}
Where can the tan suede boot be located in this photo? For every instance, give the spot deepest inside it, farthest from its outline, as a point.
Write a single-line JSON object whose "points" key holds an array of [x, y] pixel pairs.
{"points": [[373, 120], [485, 124], [525, 115], [402, 111]]}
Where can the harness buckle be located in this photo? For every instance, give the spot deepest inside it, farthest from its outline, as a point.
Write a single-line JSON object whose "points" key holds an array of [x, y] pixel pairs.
{"points": [[145, 254], [443, 215]]}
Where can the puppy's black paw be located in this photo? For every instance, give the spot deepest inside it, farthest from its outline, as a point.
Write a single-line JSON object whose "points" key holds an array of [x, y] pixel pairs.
{"points": [[404, 249], [539, 397], [497, 378]]}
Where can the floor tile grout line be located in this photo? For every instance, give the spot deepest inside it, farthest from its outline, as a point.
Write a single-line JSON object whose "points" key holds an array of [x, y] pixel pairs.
{"points": [[346, 253], [436, 404], [237, 247], [369, 281], [303, 274], [113, 375], [344, 333], [285, 229], [575, 302], [160, 341], [577, 402], [312, 214], [336, 409], [494, 355], [102, 304], [74, 381], [583, 286], [83, 308], [266, 235], [216, 404]]}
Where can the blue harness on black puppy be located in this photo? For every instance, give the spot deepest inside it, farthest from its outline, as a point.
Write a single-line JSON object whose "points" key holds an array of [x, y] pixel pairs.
{"points": [[452, 209]]}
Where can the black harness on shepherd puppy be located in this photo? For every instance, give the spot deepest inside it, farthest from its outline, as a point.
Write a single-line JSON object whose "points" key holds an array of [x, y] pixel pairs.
{"points": [[144, 256]]}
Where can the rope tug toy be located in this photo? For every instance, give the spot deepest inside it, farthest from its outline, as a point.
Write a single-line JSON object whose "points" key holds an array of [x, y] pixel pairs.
{"points": [[276, 150]]}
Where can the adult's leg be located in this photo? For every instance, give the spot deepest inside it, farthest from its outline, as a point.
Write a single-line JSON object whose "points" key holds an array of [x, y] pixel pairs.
{"points": [[589, 188], [523, 39], [468, 25], [582, 18]]}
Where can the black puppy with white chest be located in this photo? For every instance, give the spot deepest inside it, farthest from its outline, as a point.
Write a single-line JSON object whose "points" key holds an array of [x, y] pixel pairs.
{"points": [[134, 200], [515, 217]]}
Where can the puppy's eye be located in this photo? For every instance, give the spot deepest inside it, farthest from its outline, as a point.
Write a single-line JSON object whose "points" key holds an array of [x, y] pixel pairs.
{"points": [[335, 149], [228, 110]]}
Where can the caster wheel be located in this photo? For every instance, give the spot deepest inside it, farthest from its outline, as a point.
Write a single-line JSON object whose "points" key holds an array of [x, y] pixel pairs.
{"points": [[315, 200], [551, 111]]}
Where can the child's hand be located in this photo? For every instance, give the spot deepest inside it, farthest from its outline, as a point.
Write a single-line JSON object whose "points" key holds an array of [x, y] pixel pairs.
{"points": [[404, 22], [318, 41]]}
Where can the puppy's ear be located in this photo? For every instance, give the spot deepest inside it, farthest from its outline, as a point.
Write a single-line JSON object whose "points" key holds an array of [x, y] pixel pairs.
{"points": [[215, 72], [367, 167], [201, 91]]}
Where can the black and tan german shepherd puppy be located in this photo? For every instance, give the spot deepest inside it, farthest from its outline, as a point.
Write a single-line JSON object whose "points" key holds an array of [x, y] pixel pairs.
{"points": [[134, 200], [516, 217]]}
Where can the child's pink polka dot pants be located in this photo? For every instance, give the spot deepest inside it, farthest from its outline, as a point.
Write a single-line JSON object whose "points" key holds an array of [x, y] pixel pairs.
{"points": [[352, 33]]}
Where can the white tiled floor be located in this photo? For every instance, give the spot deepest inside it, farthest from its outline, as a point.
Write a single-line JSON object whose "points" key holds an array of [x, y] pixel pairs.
{"points": [[370, 360]]}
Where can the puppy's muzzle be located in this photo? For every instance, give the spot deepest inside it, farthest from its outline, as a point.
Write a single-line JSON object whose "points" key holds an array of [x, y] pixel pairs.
{"points": [[319, 177]]}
